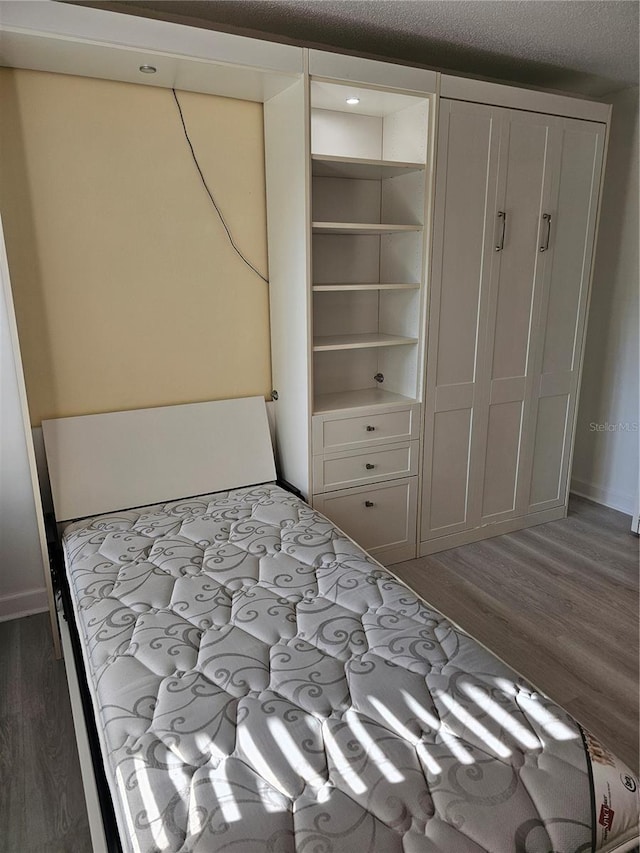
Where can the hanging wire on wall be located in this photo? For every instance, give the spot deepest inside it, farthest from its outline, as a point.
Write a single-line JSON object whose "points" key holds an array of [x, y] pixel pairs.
{"points": [[210, 194]]}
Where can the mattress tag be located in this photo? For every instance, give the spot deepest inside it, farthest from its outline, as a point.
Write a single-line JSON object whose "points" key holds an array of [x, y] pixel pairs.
{"points": [[615, 792]]}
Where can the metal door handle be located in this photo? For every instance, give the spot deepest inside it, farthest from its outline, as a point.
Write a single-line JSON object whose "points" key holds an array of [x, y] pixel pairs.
{"points": [[503, 216], [369, 466], [546, 217], [369, 503]]}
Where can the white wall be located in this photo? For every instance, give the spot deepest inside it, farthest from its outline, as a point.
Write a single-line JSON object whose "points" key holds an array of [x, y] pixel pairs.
{"points": [[22, 589], [605, 466]]}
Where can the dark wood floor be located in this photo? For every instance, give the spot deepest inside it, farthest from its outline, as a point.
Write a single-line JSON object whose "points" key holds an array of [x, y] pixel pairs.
{"points": [[558, 603], [42, 806]]}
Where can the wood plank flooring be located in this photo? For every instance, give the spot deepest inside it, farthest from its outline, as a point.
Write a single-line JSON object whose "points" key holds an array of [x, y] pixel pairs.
{"points": [[558, 603], [42, 806]]}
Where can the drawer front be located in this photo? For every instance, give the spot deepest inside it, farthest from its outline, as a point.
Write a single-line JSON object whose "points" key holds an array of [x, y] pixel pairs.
{"points": [[371, 465], [380, 518], [332, 434]]}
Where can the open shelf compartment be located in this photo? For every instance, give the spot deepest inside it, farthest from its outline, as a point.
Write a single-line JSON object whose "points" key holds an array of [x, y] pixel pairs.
{"points": [[357, 399], [360, 168], [368, 202]]}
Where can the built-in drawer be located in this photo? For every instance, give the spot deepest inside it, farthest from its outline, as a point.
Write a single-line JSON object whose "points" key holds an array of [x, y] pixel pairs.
{"points": [[380, 518], [335, 431], [369, 465]]}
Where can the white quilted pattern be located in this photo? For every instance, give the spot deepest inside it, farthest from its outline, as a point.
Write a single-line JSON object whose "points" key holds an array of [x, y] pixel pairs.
{"points": [[264, 685]]}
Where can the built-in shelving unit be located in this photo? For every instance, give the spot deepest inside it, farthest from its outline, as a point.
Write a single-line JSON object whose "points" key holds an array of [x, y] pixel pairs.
{"points": [[368, 198], [347, 210]]}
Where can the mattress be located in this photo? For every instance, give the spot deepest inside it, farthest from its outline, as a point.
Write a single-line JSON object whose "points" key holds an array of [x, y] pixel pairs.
{"points": [[261, 684]]}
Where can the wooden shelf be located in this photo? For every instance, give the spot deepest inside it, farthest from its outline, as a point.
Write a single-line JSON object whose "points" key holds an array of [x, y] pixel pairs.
{"points": [[358, 399], [361, 228], [373, 340], [327, 166], [365, 285]]}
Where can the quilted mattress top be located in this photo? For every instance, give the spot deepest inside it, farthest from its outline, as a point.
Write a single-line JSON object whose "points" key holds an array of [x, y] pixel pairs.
{"points": [[261, 684]]}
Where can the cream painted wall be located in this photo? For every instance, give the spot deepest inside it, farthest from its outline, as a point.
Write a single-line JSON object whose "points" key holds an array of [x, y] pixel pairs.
{"points": [[605, 465], [127, 291]]}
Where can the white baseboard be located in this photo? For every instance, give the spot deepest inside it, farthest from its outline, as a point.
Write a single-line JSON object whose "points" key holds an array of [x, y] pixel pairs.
{"points": [[23, 604], [606, 497]]}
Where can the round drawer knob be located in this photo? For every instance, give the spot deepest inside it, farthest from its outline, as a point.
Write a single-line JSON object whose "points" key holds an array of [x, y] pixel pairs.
{"points": [[369, 466], [370, 428], [369, 503]]}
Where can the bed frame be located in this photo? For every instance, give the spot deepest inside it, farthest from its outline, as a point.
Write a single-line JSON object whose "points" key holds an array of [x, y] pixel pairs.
{"points": [[121, 460], [105, 463]]}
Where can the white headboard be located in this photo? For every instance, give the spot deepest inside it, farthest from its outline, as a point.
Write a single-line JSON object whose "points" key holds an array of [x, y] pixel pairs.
{"points": [[102, 463]]}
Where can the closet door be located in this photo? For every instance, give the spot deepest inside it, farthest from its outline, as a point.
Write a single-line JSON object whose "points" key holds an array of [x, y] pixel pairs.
{"points": [[560, 333], [465, 231], [524, 192]]}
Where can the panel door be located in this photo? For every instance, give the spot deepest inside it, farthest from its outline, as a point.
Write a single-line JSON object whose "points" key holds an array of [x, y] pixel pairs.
{"points": [[560, 333], [524, 192], [463, 245]]}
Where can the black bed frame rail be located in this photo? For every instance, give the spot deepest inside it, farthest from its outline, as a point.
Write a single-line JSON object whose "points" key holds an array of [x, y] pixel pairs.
{"points": [[112, 836]]}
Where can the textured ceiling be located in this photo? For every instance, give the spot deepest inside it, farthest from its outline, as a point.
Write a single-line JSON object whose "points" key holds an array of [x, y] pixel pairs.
{"points": [[585, 46]]}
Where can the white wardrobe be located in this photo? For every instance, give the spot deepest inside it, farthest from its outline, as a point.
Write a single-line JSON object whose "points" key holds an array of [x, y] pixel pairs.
{"points": [[515, 214], [427, 327]]}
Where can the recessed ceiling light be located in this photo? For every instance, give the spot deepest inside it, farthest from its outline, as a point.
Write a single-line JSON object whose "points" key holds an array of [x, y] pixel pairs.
{"points": [[148, 69], [353, 101]]}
